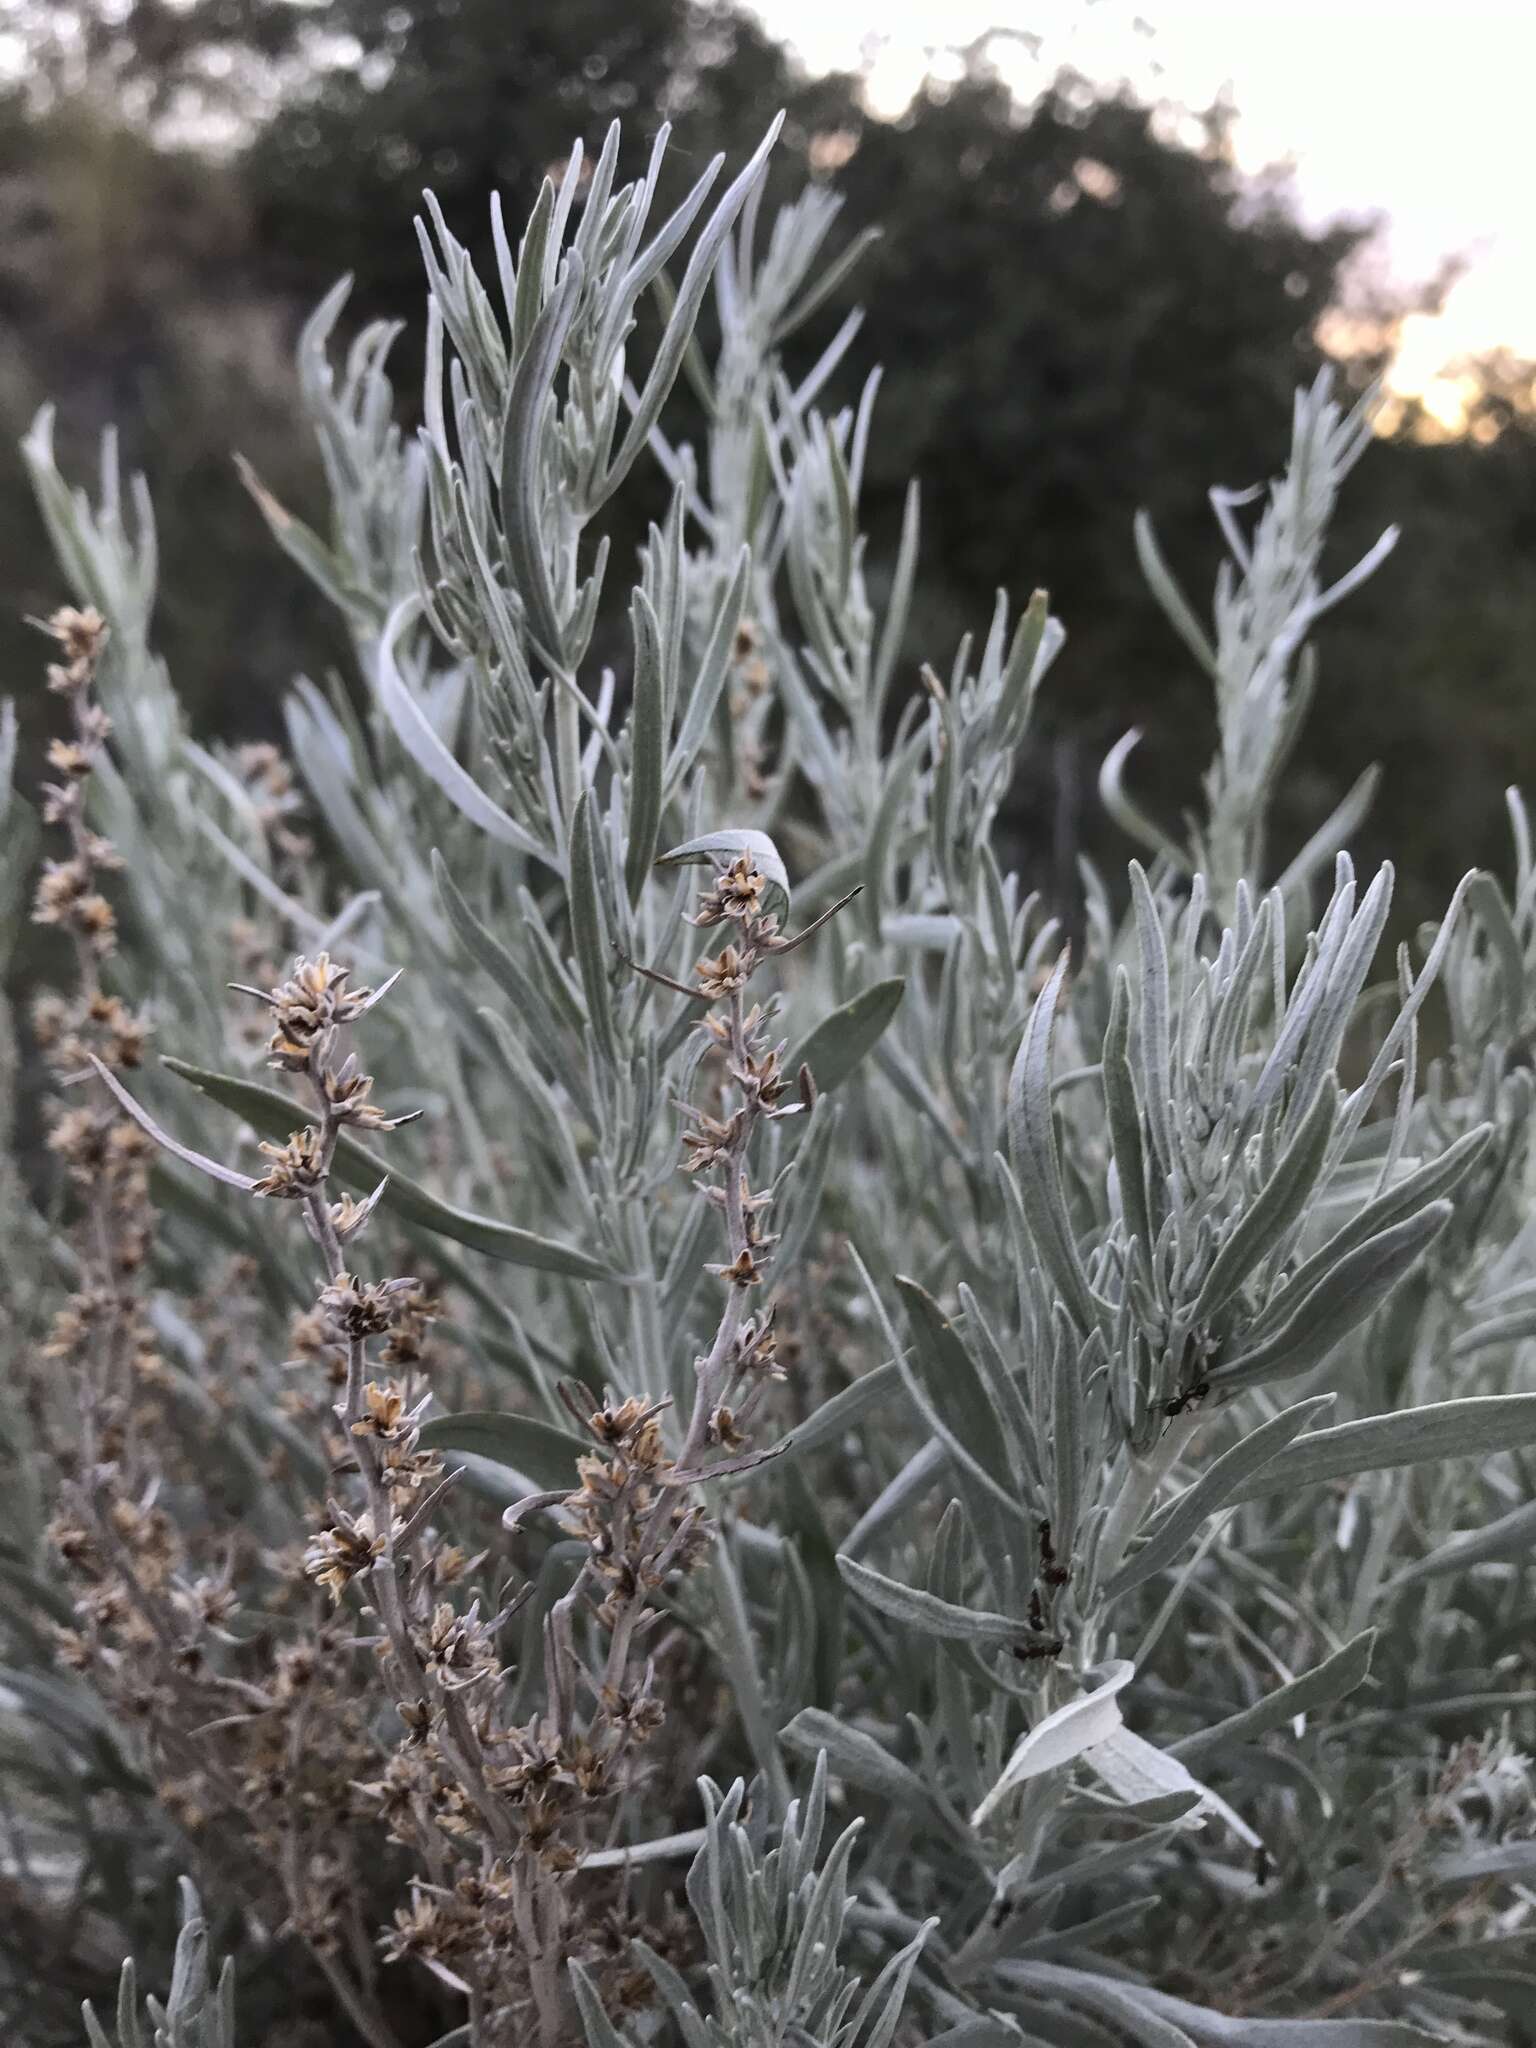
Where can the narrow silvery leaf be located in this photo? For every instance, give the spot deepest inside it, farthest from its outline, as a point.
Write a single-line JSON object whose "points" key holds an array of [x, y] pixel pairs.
{"points": [[1307, 996], [1105, 1997], [526, 995], [827, 281], [647, 747], [883, 835], [946, 751], [1211, 2029], [880, 2010], [522, 485], [899, 604], [1336, 831], [1362, 1097], [1035, 1158], [599, 2029], [561, 984], [357, 1168], [858, 1758], [1126, 812], [1473, 1428], [700, 701], [649, 265], [589, 926], [811, 1555], [1345, 1295], [189, 1965], [1325, 1038], [1155, 1018], [301, 544], [1511, 1536], [836, 1045], [1491, 1859], [819, 758], [706, 1881], [842, 537], [1175, 605], [926, 1613], [952, 1384], [1265, 1221], [1067, 1376], [415, 733], [826, 1905], [925, 933], [667, 1979], [1098, 1864], [594, 200], [528, 289], [1234, 1008], [96, 2033], [1319, 1687], [1124, 1117], [9, 727], [979, 2033], [743, 1667], [804, 1826], [1513, 1328], [1036, 641], [1178, 1522], [685, 311], [1002, 1382], [1093, 1933], [1061, 1737], [304, 923], [1428, 1183], [909, 1485], [820, 1136], [1485, 899]]}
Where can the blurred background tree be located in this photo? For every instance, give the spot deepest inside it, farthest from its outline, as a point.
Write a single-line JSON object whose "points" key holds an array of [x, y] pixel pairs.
{"points": [[1079, 313]]}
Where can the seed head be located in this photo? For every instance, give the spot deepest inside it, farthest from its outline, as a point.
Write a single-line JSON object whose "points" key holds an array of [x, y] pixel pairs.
{"points": [[297, 1168], [347, 1546], [81, 634], [356, 1308], [312, 1002]]}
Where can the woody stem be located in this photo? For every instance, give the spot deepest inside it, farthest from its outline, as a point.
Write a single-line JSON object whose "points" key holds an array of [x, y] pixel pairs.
{"points": [[456, 1735]]}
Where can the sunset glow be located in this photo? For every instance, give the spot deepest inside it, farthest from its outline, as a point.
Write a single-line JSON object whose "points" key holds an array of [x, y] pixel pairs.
{"points": [[1376, 111]]}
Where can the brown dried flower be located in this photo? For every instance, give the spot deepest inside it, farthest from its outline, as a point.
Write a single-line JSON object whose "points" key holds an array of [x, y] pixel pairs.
{"points": [[297, 1167], [347, 1546]]}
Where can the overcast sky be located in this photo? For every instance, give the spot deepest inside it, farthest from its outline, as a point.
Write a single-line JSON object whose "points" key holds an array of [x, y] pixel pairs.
{"points": [[1422, 113]]}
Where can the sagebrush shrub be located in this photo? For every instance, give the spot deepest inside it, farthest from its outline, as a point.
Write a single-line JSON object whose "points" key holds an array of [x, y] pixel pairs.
{"points": [[1045, 1428]]}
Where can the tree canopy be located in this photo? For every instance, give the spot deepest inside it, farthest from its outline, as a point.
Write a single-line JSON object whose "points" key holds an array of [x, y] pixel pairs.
{"points": [[1079, 314]]}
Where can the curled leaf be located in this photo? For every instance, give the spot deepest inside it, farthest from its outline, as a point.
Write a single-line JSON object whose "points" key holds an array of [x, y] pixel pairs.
{"points": [[719, 849], [1061, 1737], [145, 1122]]}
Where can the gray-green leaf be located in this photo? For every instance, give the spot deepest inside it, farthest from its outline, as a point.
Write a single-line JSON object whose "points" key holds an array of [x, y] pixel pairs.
{"points": [[521, 1445], [1174, 1525], [928, 1614], [1475, 1427], [837, 1044], [275, 1116], [1319, 1687]]}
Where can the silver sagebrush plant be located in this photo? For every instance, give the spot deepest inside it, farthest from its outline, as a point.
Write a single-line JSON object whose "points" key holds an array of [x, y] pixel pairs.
{"points": [[198, 2011], [1069, 1421]]}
